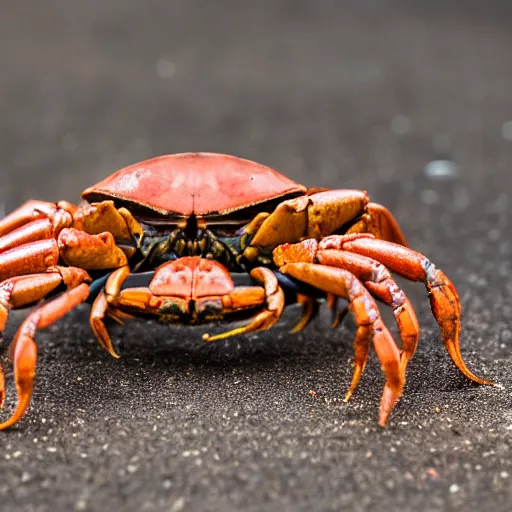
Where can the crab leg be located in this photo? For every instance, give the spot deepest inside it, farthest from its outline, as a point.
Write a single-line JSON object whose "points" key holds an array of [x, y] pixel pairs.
{"points": [[337, 315], [25, 349], [38, 220], [383, 224], [20, 291], [375, 276], [265, 319], [414, 266], [75, 247], [309, 310], [26, 213], [96, 319], [378, 280], [370, 326], [30, 258], [100, 308], [40, 229]]}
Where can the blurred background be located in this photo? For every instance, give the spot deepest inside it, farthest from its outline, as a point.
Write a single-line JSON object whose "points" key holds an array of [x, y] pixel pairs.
{"points": [[409, 100]]}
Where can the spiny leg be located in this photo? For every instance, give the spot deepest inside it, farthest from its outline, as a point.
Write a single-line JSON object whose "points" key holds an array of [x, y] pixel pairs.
{"points": [[342, 283], [444, 300], [25, 349], [378, 280], [265, 319]]}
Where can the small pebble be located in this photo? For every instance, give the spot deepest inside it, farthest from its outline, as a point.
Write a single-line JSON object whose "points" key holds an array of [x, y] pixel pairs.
{"points": [[432, 473]]}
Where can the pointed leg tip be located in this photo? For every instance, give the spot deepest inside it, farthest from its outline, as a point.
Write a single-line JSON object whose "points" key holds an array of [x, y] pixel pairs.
{"points": [[110, 349], [470, 375], [385, 411], [208, 338], [483, 382], [9, 423], [390, 397], [113, 353], [19, 412]]}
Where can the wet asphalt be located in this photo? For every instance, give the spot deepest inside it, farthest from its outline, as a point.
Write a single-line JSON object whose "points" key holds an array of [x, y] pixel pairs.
{"points": [[334, 94]]}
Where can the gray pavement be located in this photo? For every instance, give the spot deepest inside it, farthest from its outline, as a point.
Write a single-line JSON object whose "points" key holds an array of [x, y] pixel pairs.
{"points": [[334, 94]]}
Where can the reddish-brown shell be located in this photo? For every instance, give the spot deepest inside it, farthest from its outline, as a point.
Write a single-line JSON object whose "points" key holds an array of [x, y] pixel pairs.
{"points": [[194, 183]]}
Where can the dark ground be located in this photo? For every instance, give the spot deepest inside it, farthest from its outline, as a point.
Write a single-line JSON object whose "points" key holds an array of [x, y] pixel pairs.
{"points": [[340, 94]]}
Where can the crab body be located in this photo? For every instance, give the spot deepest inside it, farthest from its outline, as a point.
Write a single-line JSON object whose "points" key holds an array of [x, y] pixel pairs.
{"points": [[197, 237]]}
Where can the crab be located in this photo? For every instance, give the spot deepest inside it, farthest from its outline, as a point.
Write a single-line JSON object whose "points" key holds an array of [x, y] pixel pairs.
{"points": [[200, 237]]}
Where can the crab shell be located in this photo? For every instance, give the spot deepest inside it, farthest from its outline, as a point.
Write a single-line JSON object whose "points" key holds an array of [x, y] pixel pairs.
{"points": [[200, 184]]}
